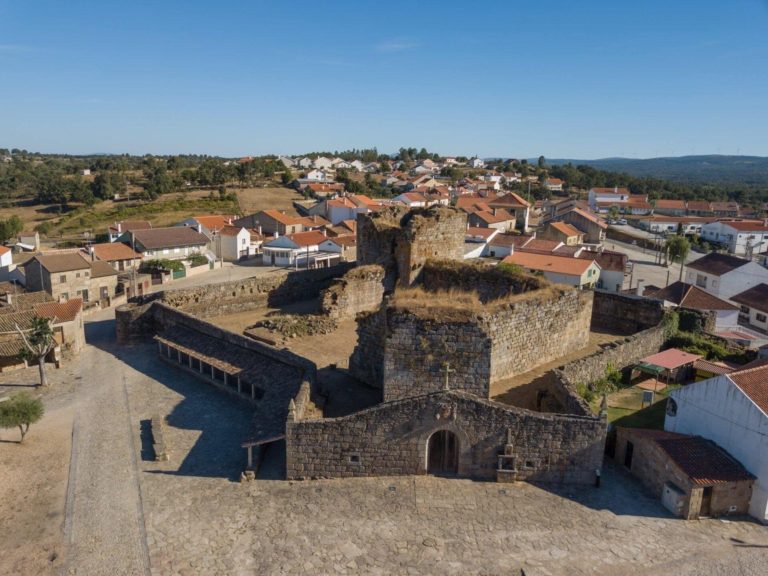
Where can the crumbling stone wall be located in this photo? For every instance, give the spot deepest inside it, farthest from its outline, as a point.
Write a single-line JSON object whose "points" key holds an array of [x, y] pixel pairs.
{"points": [[251, 293], [367, 360], [405, 350], [433, 233], [392, 439], [359, 290], [402, 240], [626, 313]]}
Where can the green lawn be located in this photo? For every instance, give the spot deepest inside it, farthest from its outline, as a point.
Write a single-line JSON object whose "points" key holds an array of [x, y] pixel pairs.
{"points": [[624, 408]]}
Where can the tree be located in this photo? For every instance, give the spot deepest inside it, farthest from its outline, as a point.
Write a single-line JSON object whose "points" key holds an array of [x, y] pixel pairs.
{"points": [[613, 213], [287, 177], [10, 228], [542, 161], [21, 411], [677, 249], [38, 343]]}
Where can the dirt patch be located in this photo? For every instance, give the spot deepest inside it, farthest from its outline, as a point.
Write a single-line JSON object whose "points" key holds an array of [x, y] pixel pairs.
{"points": [[253, 200], [33, 487]]}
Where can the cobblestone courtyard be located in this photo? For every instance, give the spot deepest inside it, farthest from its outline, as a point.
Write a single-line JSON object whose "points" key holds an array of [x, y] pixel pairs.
{"points": [[201, 522], [126, 514]]}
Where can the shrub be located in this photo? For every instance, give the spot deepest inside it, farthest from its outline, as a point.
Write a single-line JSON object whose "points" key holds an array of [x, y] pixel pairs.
{"points": [[161, 265], [197, 260], [21, 411]]}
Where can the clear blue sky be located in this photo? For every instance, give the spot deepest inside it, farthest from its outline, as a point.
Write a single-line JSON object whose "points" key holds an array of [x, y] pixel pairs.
{"points": [[562, 78]]}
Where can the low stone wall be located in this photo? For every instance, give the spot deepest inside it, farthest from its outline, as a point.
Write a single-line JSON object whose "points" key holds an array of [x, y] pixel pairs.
{"points": [[489, 281], [629, 314], [359, 290], [592, 368], [393, 439], [275, 289]]}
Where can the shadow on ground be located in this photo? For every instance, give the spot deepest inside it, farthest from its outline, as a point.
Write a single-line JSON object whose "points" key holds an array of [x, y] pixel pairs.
{"points": [[223, 420]]}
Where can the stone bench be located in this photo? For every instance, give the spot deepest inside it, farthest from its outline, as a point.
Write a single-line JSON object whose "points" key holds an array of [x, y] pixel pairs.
{"points": [[158, 438]]}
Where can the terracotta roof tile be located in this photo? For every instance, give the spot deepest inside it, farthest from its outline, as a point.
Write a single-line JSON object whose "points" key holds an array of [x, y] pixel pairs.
{"points": [[549, 263], [717, 264], [703, 461], [754, 383], [61, 311], [55, 263], [112, 251], [689, 296], [565, 228], [671, 359]]}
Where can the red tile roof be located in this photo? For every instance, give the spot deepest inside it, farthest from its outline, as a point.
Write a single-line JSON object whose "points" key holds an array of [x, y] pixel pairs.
{"points": [[671, 359], [280, 217], [214, 222], [589, 216], [747, 226], [703, 461], [112, 251], [481, 232], [670, 204], [4, 249], [510, 240], [617, 191], [312, 238], [567, 229], [541, 245], [754, 383], [717, 264], [230, 230], [711, 367], [756, 297], [61, 311], [689, 296], [549, 263], [607, 259]]}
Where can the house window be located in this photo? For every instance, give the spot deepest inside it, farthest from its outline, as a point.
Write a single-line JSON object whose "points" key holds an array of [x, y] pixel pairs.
{"points": [[77, 274], [63, 279], [760, 317], [701, 281]]}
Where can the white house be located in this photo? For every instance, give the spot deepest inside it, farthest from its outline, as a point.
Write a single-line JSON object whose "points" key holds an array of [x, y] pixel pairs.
{"points": [[300, 250], [754, 307], [357, 165], [412, 199], [732, 411], [579, 272], [554, 184], [476, 163], [322, 163], [304, 162], [287, 162], [615, 195], [742, 238], [317, 175], [671, 224], [687, 296], [725, 275], [232, 243]]}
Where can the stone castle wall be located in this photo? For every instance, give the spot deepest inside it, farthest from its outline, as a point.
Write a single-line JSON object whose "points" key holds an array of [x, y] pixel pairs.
{"points": [[359, 290], [405, 351], [392, 439], [433, 233], [367, 360], [416, 350], [626, 313], [538, 330], [402, 240]]}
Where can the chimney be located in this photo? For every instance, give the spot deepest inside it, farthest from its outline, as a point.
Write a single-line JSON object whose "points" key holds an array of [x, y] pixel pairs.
{"points": [[494, 212], [640, 286], [92, 253], [276, 234], [259, 229]]}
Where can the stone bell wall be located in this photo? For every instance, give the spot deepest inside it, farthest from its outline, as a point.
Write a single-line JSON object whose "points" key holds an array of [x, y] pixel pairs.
{"points": [[392, 439]]}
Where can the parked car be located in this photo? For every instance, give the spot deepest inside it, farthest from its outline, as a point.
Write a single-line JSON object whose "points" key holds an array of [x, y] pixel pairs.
{"points": [[622, 221]]}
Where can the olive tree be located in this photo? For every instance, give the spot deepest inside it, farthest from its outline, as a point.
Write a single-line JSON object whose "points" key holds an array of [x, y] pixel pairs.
{"points": [[21, 410], [38, 342]]}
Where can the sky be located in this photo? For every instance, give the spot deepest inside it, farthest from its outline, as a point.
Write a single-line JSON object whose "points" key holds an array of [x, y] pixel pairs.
{"points": [[565, 79]]}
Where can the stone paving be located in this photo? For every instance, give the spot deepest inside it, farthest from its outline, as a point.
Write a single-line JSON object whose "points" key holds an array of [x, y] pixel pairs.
{"points": [[200, 521]]}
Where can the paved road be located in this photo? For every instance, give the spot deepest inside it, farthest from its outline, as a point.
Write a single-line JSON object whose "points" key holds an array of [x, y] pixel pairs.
{"points": [[104, 525]]}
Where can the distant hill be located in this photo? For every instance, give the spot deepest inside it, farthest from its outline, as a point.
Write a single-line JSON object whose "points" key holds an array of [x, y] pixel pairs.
{"points": [[750, 170]]}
